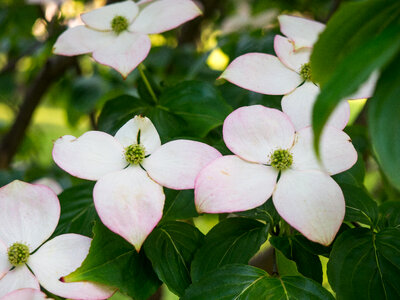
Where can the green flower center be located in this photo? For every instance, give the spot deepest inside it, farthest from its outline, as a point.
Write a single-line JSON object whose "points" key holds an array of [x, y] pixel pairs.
{"points": [[18, 254], [281, 159], [305, 71], [134, 154], [119, 24]]}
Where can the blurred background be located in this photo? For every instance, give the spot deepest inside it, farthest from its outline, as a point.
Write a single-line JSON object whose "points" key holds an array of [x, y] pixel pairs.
{"points": [[43, 96]]}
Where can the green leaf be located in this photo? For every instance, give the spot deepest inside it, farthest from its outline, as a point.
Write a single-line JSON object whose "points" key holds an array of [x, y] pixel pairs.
{"points": [[233, 240], [170, 248], [114, 262], [286, 267], [200, 104], [179, 205], [390, 214], [365, 265], [384, 126], [190, 108], [360, 207], [265, 212], [352, 72], [246, 282], [77, 210], [315, 248], [307, 263], [116, 112], [352, 25]]}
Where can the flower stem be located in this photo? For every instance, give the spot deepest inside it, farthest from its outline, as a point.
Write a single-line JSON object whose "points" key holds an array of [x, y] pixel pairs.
{"points": [[147, 83]]}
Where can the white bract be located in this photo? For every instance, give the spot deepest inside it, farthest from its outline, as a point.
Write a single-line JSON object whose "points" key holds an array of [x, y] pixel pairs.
{"points": [[29, 214], [117, 34], [266, 143], [131, 168], [290, 73]]}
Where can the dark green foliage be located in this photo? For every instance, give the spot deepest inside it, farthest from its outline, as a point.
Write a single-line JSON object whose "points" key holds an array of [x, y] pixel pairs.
{"points": [[233, 240], [246, 282], [308, 264], [170, 248], [114, 262], [365, 264]]}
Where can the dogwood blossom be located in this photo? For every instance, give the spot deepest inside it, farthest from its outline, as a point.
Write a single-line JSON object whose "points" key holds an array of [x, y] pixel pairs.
{"points": [[290, 73], [25, 294], [29, 214], [131, 169], [117, 34], [266, 144]]}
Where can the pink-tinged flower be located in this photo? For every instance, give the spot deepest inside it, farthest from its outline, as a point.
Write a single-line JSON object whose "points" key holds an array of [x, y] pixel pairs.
{"points": [[131, 169], [290, 73], [266, 144], [117, 34], [25, 294], [29, 214]]}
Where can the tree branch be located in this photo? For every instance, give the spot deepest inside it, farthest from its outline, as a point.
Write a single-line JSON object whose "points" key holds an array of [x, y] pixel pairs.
{"points": [[51, 72]]}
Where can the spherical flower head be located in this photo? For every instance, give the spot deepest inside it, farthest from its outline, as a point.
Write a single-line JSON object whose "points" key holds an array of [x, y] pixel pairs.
{"points": [[119, 24], [18, 254], [135, 154], [281, 159], [305, 71]]}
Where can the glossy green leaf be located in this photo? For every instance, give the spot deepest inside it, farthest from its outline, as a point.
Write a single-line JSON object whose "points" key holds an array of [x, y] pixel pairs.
{"points": [[315, 248], [200, 104], [179, 205], [365, 265], [384, 125], [233, 240], [351, 26], [246, 282], [285, 266], [352, 71], [308, 264], [265, 212], [114, 262], [77, 210], [191, 108], [360, 207], [116, 112], [170, 248]]}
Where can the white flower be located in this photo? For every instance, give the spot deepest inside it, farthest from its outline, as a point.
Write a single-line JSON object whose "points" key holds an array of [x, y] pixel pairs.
{"points": [[290, 74], [29, 214], [131, 169], [117, 34], [265, 144]]}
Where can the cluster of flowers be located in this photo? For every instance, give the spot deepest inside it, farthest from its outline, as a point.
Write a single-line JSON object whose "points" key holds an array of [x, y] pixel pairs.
{"points": [[273, 154]]}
